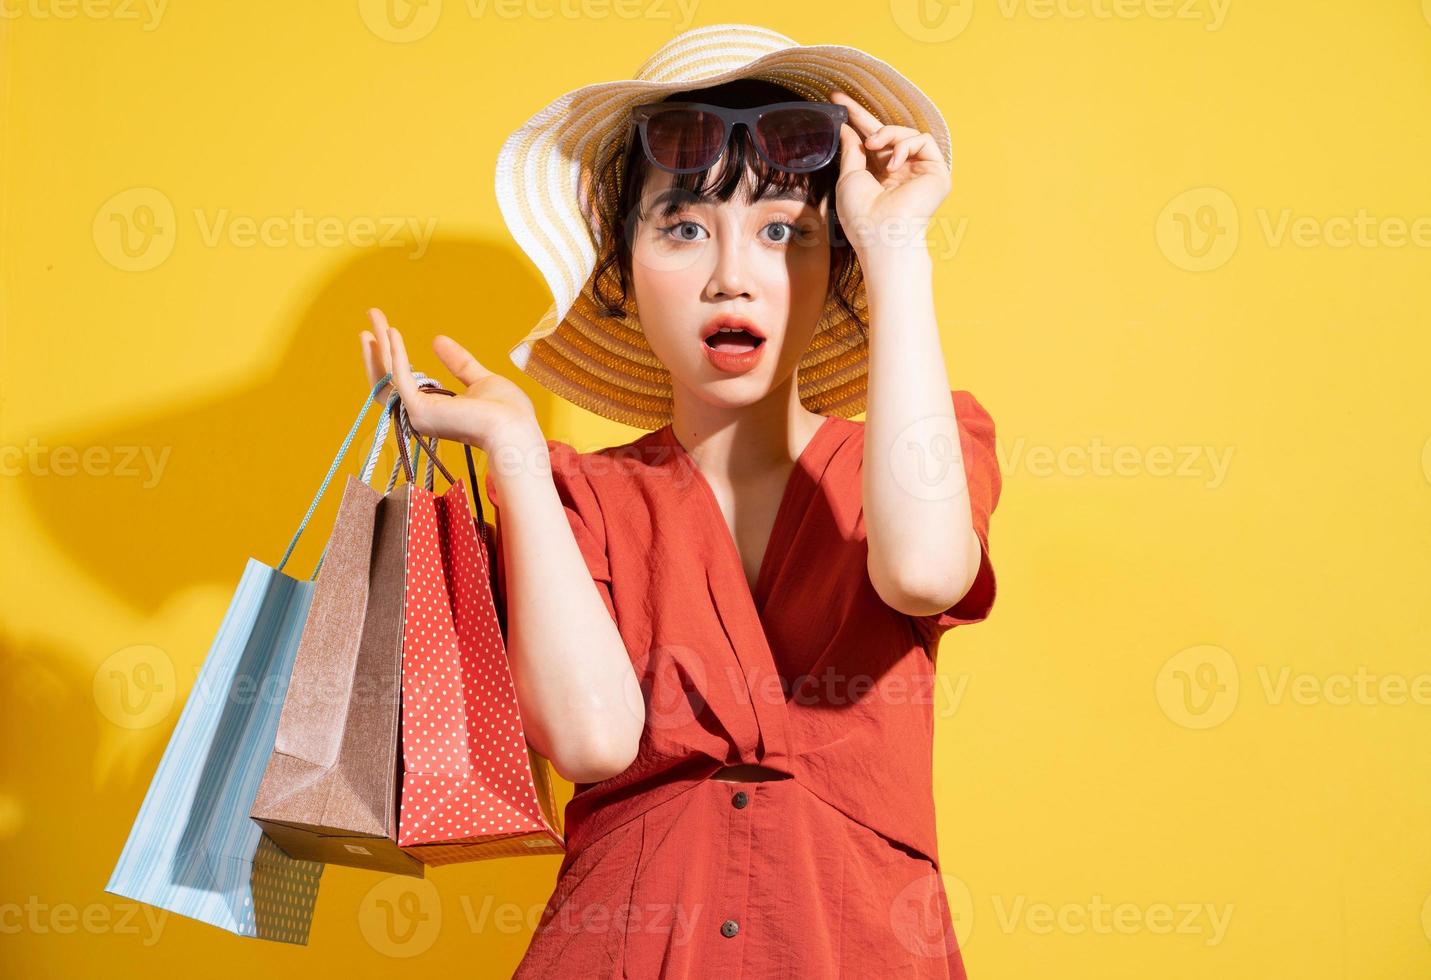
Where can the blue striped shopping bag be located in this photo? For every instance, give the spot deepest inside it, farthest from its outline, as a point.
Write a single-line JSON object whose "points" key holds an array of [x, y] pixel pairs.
{"points": [[193, 849]]}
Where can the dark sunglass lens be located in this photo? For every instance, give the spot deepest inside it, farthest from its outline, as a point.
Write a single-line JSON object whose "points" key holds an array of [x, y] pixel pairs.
{"points": [[684, 138], [797, 138]]}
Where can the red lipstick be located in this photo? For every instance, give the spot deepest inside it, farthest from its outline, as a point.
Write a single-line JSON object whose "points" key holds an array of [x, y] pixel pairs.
{"points": [[732, 343]]}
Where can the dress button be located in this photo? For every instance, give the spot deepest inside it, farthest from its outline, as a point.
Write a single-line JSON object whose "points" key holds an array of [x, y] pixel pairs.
{"points": [[729, 928], [739, 800]]}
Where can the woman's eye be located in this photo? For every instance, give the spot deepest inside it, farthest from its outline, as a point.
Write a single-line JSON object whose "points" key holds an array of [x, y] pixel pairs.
{"points": [[678, 231], [690, 231], [790, 233]]}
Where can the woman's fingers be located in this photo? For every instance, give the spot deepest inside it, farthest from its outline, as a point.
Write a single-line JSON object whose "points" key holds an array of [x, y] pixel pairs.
{"points": [[459, 361], [902, 150], [370, 356], [402, 377], [372, 361], [886, 133], [865, 123], [852, 153], [920, 146], [380, 330]]}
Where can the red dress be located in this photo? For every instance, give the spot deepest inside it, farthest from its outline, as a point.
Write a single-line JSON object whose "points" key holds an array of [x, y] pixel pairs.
{"points": [[831, 873]]}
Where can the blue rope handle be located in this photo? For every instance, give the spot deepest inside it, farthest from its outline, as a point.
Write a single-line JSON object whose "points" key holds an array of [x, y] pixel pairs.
{"points": [[337, 461], [384, 423], [371, 462]]}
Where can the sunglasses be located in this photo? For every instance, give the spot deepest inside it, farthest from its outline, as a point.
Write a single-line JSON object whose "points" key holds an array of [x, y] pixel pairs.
{"points": [[686, 137]]}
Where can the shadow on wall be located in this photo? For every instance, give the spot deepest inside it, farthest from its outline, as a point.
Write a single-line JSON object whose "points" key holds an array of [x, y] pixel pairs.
{"points": [[220, 479]]}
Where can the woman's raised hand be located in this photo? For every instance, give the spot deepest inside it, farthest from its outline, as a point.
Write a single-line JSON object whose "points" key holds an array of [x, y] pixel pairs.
{"points": [[487, 404], [892, 179]]}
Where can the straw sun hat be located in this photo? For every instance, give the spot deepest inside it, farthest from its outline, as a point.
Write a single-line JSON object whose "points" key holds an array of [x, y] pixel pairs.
{"points": [[545, 174]]}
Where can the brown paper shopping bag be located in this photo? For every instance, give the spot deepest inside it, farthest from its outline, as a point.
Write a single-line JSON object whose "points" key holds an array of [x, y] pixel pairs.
{"points": [[329, 792]]}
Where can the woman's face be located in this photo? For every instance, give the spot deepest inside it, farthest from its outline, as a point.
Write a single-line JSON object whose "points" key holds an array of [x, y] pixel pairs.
{"points": [[765, 261]]}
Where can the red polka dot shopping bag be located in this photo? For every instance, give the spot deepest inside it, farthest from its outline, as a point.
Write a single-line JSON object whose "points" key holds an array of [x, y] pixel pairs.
{"points": [[471, 787]]}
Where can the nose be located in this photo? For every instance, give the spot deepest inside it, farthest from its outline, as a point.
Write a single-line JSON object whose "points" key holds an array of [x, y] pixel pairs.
{"points": [[730, 277]]}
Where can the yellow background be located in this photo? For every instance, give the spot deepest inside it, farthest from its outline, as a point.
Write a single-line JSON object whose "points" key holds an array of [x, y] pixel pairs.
{"points": [[1162, 714]]}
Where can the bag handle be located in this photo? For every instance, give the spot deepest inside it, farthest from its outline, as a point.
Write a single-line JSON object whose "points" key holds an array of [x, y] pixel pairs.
{"points": [[399, 415], [333, 469], [404, 432], [408, 434], [423, 381]]}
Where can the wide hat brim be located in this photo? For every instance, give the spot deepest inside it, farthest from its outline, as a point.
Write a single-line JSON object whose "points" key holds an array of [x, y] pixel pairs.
{"points": [[546, 172]]}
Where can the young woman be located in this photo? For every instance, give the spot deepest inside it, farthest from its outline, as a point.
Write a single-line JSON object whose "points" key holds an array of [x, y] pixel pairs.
{"points": [[724, 631]]}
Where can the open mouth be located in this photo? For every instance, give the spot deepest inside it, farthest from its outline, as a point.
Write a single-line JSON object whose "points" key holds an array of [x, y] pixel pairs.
{"points": [[733, 341]]}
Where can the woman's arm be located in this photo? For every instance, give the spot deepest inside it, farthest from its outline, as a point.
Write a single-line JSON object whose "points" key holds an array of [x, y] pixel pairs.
{"points": [[581, 702], [923, 552]]}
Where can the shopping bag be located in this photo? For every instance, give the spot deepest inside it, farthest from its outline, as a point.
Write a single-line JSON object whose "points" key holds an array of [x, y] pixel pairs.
{"points": [[193, 848], [471, 787], [329, 792]]}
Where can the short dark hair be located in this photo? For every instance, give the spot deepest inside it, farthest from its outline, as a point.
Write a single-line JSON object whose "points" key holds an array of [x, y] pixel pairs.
{"points": [[621, 176]]}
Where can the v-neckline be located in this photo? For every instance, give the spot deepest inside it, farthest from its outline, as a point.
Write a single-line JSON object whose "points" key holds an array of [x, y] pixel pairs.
{"points": [[732, 547]]}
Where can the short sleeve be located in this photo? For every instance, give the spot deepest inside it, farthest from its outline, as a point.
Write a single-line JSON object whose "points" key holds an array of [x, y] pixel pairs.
{"points": [[583, 513], [981, 470]]}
